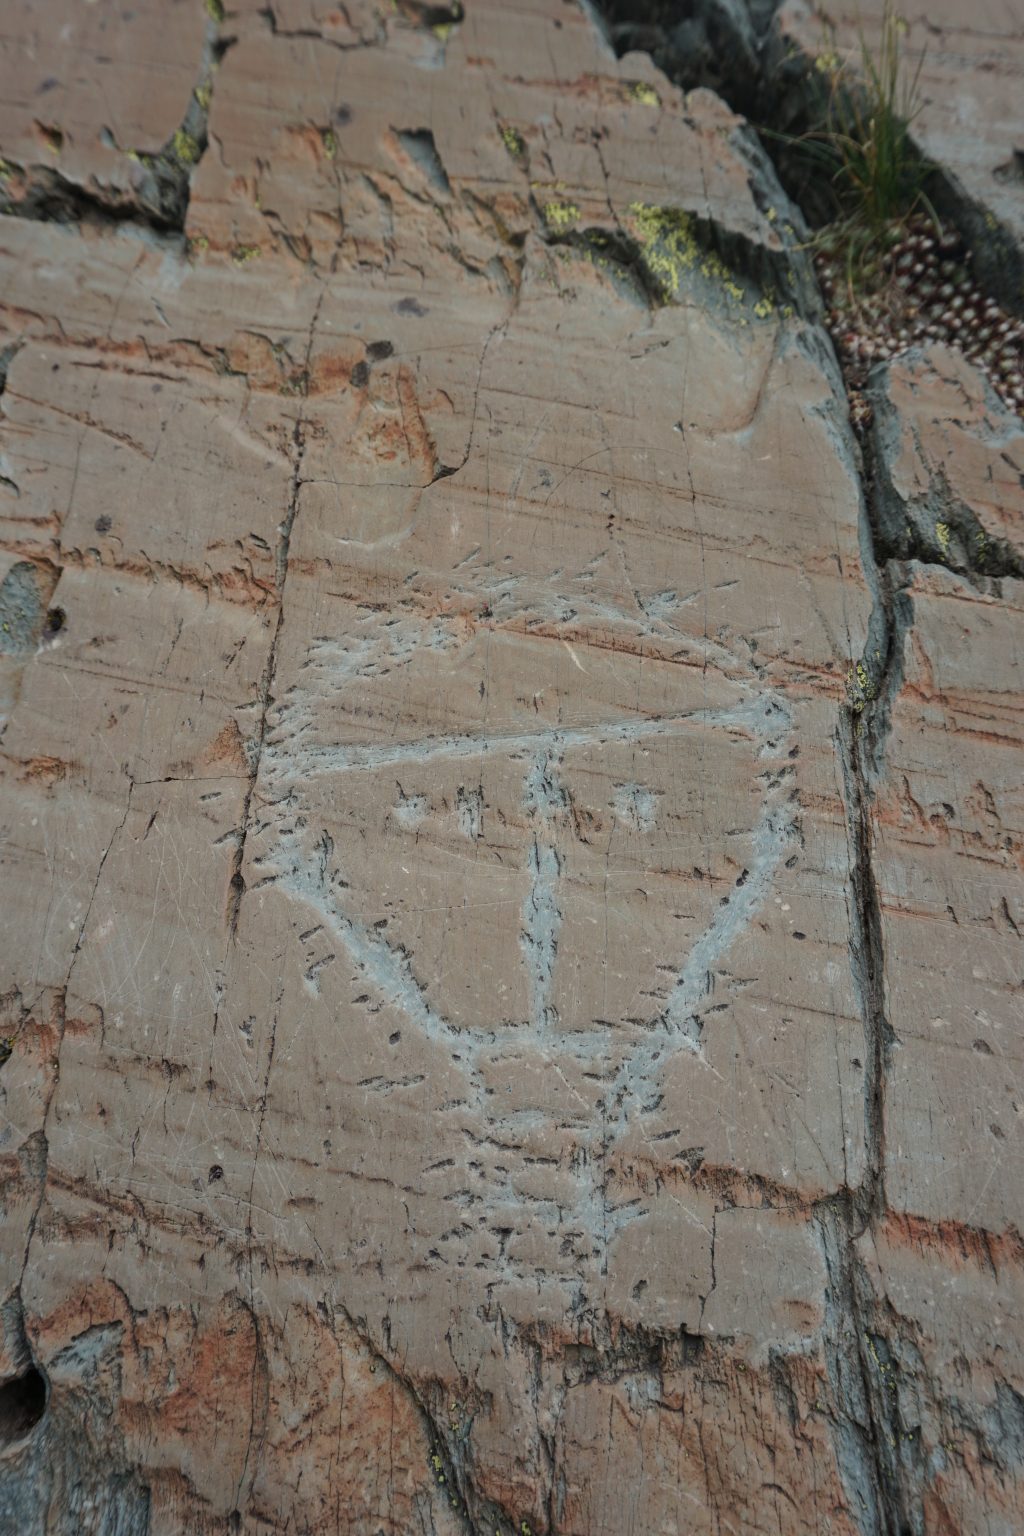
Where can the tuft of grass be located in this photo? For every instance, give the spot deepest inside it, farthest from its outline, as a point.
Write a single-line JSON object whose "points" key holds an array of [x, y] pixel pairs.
{"points": [[863, 149], [879, 175]]}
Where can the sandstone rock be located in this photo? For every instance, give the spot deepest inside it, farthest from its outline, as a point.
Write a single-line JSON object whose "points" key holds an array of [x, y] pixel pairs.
{"points": [[103, 114], [472, 805], [950, 459], [947, 857]]}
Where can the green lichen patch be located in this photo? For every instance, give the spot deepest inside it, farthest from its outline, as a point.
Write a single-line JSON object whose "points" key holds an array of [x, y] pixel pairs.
{"points": [[185, 148], [666, 239], [513, 141], [640, 91], [561, 216], [861, 687], [676, 255]]}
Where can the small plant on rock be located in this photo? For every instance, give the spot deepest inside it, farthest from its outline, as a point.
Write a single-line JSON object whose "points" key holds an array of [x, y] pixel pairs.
{"points": [[880, 175], [891, 275], [862, 150]]}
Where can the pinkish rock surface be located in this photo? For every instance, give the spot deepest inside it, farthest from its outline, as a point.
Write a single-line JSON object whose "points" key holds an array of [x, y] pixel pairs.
{"points": [[951, 458], [512, 888]]}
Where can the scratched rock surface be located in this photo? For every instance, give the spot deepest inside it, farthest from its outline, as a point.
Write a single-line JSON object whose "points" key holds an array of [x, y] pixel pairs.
{"points": [[480, 810], [948, 840]]}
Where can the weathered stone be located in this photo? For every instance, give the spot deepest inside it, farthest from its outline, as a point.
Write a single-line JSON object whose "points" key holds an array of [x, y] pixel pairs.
{"points": [[103, 114], [950, 463], [469, 1045], [948, 839], [943, 1346]]}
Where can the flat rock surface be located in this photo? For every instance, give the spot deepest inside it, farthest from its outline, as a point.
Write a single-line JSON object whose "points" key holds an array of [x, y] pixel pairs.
{"points": [[511, 851]]}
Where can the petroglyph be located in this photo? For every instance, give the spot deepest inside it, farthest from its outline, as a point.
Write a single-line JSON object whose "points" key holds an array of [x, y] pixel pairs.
{"points": [[545, 800], [471, 1046], [624, 1057]]}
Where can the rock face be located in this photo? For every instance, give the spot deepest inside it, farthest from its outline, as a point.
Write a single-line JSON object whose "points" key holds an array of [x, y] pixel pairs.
{"points": [[511, 848], [950, 458]]}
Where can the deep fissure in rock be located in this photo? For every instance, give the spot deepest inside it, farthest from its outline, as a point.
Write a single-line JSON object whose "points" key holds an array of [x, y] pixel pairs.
{"points": [[877, 1452]]}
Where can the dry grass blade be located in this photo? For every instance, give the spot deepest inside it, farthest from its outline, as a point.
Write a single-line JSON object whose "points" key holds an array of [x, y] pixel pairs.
{"points": [[863, 149]]}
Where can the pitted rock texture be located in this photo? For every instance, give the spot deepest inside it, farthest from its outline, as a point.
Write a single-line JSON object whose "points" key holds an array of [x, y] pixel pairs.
{"points": [[484, 806]]}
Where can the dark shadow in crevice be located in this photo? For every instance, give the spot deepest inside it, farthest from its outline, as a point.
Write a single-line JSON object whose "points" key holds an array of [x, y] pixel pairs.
{"points": [[23, 1400]]}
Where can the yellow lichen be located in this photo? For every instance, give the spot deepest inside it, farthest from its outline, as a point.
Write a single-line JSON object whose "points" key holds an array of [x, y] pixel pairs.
{"points": [[243, 253], [860, 689], [942, 534], [560, 216], [203, 95], [330, 143], [215, 10], [645, 94], [670, 249], [513, 142], [184, 147]]}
